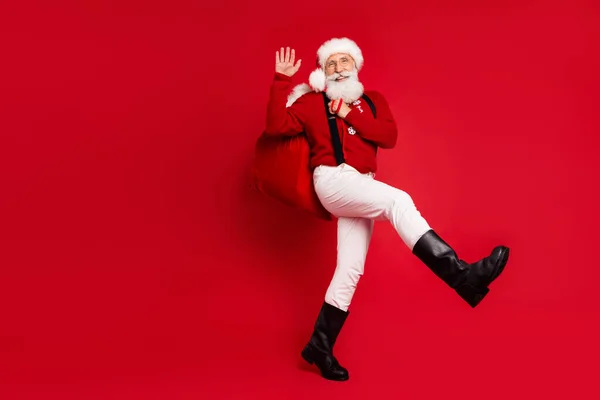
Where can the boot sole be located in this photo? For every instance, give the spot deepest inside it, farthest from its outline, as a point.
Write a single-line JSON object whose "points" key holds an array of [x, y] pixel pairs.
{"points": [[309, 359], [472, 295]]}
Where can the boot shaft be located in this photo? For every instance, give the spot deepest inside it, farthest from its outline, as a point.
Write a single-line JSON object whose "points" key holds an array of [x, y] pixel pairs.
{"points": [[328, 325], [441, 259]]}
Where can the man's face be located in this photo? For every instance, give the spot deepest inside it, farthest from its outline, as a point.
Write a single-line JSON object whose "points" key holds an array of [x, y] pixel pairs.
{"points": [[342, 78], [339, 65]]}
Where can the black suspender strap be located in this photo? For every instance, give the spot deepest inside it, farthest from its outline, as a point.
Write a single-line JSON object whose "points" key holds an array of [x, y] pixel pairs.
{"points": [[371, 105], [333, 130]]}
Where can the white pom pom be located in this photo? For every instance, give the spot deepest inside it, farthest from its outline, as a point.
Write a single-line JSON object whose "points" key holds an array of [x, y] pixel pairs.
{"points": [[317, 80]]}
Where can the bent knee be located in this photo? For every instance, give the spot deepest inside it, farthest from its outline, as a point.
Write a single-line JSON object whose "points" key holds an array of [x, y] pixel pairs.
{"points": [[403, 198], [400, 201]]}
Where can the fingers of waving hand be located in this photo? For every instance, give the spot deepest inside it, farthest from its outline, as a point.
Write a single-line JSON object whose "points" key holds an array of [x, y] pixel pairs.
{"points": [[285, 56], [285, 61], [280, 56]]}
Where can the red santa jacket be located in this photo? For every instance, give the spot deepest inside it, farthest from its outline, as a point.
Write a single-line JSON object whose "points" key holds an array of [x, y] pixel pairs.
{"points": [[360, 133]]}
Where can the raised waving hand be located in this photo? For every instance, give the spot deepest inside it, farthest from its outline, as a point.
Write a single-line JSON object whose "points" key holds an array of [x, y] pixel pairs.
{"points": [[284, 62]]}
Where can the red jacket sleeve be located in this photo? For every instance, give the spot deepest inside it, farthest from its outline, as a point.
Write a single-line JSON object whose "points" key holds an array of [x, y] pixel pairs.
{"points": [[282, 120], [381, 130]]}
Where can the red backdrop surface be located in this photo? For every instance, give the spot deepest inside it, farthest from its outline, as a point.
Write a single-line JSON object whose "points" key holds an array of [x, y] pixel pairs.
{"points": [[136, 263]]}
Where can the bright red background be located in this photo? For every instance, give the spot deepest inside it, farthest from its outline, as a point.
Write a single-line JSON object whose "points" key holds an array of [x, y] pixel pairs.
{"points": [[136, 263]]}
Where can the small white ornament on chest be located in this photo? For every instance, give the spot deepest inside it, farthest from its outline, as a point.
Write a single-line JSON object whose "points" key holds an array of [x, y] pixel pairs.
{"points": [[351, 131], [357, 105]]}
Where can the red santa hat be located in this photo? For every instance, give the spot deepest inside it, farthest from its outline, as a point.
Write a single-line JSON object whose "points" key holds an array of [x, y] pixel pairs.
{"points": [[317, 78]]}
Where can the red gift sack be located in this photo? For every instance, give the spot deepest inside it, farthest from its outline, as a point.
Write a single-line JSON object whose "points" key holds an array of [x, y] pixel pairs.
{"points": [[281, 170]]}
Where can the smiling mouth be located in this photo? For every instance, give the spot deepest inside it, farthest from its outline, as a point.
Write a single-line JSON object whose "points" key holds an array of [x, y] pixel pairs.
{"points": [[341, 78]]}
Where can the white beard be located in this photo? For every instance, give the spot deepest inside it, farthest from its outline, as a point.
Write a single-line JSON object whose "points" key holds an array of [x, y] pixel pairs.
{"points": [[348, 90]]}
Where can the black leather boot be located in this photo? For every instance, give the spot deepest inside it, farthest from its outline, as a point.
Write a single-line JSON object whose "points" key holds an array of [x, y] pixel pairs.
{"points": [[319, 350], [470, 281]]}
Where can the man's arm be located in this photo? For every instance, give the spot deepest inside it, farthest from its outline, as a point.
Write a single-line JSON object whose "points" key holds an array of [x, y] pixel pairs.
{"points": [[282, 120], [381, 130]]}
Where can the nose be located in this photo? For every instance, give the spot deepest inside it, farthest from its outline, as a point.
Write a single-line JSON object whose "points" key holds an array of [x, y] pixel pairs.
{"points": [[338, 68]]}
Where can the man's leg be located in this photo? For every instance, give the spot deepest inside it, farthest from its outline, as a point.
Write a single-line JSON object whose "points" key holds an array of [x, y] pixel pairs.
{"points": [[346, 193], [354, 236]]}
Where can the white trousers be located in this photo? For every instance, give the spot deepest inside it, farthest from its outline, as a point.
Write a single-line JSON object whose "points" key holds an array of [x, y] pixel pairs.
{"points": [[357, 200]]}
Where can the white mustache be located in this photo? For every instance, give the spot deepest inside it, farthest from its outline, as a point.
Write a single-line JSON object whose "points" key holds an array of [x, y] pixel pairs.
{"points": [[348, 89], [336, 75]]}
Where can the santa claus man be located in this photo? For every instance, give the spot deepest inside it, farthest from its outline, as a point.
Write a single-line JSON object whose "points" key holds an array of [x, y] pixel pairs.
{"points": [[344, 133]]}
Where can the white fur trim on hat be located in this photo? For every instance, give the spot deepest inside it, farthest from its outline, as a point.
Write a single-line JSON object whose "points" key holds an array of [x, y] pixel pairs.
{"points": [[317, 80], [340, 45]]}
